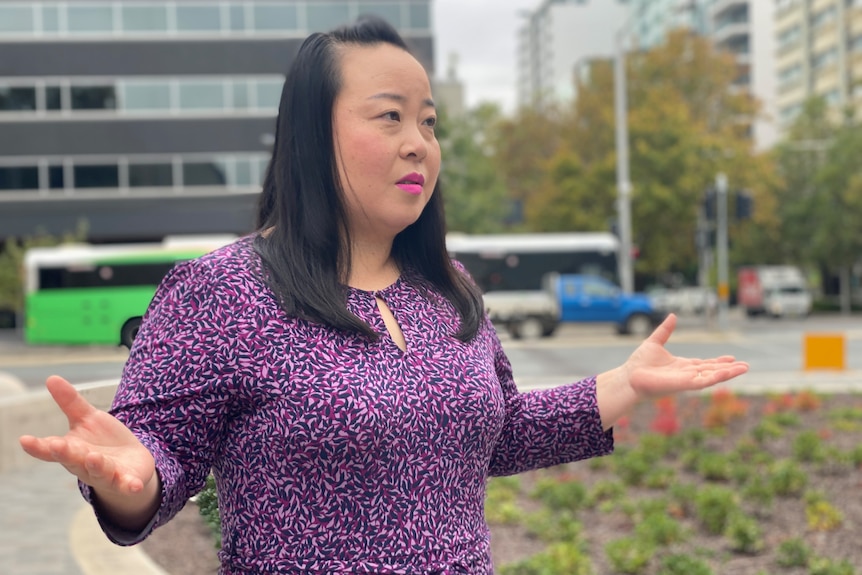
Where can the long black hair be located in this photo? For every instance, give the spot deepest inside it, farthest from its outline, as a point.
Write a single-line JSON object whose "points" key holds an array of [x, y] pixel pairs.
{"points": [[303, 237]]}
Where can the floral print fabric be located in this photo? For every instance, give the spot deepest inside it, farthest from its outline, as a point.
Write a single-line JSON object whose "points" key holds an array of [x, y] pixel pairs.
{"points": [[334, 453]]}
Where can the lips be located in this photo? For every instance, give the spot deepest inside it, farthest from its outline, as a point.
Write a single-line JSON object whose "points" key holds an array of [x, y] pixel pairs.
{"points": [[412, 183]]}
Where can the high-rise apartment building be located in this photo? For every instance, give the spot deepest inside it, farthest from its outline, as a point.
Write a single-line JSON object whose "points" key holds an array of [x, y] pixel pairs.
{"points": [[151, 118], [651, 20], [556, 37], [819, 54], [745, 28]]}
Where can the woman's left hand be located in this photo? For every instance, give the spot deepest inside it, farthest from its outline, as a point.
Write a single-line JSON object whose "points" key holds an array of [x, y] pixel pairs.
{"points": [[652, 371]]}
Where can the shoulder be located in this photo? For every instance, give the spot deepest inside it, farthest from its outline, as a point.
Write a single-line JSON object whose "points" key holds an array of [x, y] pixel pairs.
{"points": [[212, 273]]}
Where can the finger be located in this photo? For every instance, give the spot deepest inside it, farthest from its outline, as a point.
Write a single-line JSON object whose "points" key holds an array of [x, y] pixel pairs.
{"points": [[68, 399], [661, 334], [102, 469], [37, 447]]}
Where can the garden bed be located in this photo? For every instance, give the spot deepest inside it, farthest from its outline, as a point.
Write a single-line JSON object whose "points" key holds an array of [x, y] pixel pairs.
{"points": [[706, 484]]}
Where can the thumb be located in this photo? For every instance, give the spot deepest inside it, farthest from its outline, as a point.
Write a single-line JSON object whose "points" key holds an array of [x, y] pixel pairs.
{"points": [[662, 333], [67, 398]]}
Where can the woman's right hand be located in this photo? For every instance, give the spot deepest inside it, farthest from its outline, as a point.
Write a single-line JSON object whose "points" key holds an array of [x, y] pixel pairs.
{"points": [[98, 449]]}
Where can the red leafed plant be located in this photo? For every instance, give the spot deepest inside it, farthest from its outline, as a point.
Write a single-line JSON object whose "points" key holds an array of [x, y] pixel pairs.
{"points": [[666, 421]]}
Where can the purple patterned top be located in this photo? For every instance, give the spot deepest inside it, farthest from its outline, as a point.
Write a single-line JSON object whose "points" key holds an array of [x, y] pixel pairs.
{"points": [[333, 453]]}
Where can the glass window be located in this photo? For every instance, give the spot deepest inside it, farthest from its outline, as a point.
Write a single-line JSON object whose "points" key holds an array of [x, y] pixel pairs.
{"points": [[145, 18], [204, 174], [17, 98], [17, 19], [53, 98], [90, 18], [275, 17], [391, 12], [420, 16], [199, 18], [149, 96], [201, 95], [150, 175], [240, 95], [50, 19], [244, 170], [97, 176], [94, 98], [324, 17], [237, 17], [268, 94], [19, 178], [56, 177]]}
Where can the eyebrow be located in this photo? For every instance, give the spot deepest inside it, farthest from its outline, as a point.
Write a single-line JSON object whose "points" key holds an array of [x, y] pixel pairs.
{"points": [[399, 98]]}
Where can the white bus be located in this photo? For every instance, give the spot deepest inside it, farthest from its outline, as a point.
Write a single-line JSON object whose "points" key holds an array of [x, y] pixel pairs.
{"points": [[519, 262]]}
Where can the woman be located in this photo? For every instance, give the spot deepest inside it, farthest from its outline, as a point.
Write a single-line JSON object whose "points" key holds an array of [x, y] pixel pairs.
{"points": [[335, 370]]}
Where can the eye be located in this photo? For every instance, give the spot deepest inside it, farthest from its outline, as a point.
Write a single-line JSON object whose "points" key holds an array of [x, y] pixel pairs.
{"points": [[431, 122], [394, 116]]}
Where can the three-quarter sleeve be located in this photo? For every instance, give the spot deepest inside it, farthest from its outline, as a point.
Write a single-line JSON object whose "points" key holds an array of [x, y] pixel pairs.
{"points": [[546, 427], [176, 388]]}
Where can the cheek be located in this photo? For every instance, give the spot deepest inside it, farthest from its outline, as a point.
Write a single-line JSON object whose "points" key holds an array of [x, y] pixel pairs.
{"points": [[364, 152]]}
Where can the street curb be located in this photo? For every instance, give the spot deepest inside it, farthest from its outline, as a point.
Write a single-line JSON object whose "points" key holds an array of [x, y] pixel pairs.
{"points": [[96, 555]]}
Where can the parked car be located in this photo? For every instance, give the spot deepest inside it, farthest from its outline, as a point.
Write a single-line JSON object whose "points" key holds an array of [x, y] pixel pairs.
{"points": [[574, 298]]}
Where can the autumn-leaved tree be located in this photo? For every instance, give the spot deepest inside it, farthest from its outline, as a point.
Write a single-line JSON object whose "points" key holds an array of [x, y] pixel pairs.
{"points": [[473, 188], [686, 122]]}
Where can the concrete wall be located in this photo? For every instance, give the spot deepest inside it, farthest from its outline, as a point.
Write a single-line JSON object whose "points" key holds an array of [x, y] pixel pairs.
{"points": [[35, 413]]}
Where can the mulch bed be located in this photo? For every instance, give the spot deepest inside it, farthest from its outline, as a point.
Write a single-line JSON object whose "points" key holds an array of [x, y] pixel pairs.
{"points": [[184, 546]]}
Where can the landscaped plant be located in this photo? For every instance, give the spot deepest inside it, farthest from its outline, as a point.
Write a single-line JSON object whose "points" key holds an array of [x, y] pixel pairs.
{"points": [[821, 515], [787, 478], [501, 500], [714, 506], [745, 534], [207, 501], [558, 558], [826, 566], [793, 553], [808, 447], [660, 530], [629, 555], [563, 493], [680, 564]]}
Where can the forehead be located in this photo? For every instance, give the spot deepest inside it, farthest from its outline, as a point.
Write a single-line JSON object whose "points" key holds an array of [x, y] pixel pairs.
{"points": [[379, 68]]}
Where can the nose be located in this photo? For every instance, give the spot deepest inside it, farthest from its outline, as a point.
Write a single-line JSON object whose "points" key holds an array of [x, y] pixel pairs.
{"points": [[415, 144]]}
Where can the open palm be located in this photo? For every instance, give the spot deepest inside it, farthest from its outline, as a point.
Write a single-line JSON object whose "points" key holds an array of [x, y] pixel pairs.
{"points": [[98, 448], [653, 371]]}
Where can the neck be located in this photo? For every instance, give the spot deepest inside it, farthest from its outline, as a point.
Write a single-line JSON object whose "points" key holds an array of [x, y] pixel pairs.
{"points": [[372, 267]]}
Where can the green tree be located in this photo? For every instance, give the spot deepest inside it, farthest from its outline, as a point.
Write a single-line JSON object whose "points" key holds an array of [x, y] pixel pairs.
{"points": [[12, 264], [473, 188], [684, 125]]}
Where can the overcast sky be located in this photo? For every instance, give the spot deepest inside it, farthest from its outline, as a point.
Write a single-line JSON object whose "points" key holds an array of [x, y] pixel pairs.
{"points": [[484, 35]]}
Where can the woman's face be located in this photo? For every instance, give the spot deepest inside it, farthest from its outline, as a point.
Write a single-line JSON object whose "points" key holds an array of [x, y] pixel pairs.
{"points": [[383, 128]]}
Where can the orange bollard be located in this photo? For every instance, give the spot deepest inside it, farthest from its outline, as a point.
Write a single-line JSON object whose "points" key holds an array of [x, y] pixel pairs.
{"points": [[823, 351]]}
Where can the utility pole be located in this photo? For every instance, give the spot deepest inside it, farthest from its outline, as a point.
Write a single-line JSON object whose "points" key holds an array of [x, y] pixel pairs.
{"points": [[721, 248], [624, 185]]}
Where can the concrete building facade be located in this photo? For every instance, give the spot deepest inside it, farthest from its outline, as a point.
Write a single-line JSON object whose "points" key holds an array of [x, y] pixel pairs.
{"points": [[819, 53], [147, 119], [555, 37]]}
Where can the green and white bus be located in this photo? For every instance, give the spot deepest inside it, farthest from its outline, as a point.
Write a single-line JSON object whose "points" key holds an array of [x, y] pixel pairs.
{"points": [[97, 294]]}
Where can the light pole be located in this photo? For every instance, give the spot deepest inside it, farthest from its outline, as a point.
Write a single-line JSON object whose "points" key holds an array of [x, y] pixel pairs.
{"points": [[624, 185]]}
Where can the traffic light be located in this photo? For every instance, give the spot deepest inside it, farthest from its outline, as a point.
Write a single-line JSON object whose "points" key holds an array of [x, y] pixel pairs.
{"points": [[744, 205], [709, 206]]}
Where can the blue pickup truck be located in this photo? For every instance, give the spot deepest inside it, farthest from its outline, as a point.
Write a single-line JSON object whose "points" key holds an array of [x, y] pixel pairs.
{"points": [[572, 298]]}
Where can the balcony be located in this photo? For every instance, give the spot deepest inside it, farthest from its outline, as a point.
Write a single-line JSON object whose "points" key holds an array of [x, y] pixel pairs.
{"points": [[721, 7], [730, 32]]}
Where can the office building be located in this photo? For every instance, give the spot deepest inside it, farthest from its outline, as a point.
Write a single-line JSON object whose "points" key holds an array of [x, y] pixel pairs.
{"points": [[147, 119], [819, 54], [744, 28], [556, 37]]}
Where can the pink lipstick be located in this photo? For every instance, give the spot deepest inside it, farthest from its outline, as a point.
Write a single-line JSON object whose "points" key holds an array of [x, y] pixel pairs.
{"points": [[412, 183]]}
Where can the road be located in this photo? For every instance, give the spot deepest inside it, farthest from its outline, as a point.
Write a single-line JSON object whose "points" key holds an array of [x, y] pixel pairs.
{"points": [[773, 346]]}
